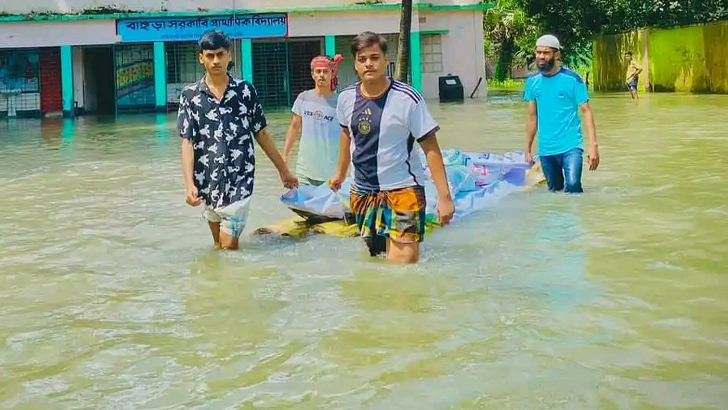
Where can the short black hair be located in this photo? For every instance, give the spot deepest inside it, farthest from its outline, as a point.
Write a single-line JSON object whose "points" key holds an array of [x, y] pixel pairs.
{"points": [[368, 39], [213, 40]]}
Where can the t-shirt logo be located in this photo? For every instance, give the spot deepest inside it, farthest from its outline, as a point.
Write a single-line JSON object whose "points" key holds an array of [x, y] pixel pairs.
{"points": [[365, 125], [318, 115]]}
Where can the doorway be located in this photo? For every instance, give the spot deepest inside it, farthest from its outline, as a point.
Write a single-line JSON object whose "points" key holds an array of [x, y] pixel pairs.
{"points": [[99, 81]]}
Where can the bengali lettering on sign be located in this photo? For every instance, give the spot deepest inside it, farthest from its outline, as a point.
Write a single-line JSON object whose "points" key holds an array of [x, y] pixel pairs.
{"points": [[137, 30]]}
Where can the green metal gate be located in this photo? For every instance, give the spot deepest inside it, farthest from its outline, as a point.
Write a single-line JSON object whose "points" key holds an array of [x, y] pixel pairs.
{"points": [[134, 66], [300, 53], [282, 69], [183, 67]]}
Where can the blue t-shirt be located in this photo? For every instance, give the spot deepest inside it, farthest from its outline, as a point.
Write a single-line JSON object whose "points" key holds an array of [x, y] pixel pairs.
{"points": [[558, 97]]}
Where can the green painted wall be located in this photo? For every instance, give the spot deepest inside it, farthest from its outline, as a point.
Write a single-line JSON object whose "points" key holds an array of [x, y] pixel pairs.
{"points": [[677, 60], [716, 56], [686, 59], [610, 67]]}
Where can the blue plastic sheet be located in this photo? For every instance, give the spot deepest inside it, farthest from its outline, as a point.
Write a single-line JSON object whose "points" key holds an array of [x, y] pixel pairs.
{"points": [[477, 180]]}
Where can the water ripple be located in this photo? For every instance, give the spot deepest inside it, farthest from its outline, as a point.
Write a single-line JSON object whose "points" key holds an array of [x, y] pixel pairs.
{"points": [[113, 299]]}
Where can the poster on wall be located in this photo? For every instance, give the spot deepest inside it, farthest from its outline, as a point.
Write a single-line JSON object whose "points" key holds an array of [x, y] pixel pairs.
{"points": [[134, 76], [19, 71], [191, 28]]}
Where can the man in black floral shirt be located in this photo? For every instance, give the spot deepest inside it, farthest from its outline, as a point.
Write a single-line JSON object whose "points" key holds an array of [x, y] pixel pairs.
{"points": [[218, 119]]}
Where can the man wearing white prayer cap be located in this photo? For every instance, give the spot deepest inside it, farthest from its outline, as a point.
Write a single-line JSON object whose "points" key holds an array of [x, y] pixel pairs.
{"points": [[548, 40], [556, 96]]}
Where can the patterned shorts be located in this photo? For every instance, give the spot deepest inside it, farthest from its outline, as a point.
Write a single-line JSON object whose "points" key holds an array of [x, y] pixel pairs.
{"points": [[232, 218], [397, 214]]}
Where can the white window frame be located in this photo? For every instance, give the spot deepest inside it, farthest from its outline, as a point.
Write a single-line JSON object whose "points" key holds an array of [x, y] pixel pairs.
{"points": [[431, 50]]}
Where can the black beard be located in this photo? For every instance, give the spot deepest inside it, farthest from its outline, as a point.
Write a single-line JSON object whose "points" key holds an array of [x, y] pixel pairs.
{"points": [[547, 66]]}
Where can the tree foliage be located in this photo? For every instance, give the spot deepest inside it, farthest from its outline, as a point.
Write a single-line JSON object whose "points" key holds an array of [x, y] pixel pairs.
{"points": [[506, 21], [510, 32], [576, 22]]}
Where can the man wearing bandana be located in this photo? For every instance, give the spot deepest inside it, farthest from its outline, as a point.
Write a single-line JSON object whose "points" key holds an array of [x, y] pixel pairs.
{"points": [[314, 119], [556, 96]]}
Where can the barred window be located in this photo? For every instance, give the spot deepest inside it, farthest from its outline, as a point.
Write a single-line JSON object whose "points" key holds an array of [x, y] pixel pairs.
{"points": [[431, 53]]}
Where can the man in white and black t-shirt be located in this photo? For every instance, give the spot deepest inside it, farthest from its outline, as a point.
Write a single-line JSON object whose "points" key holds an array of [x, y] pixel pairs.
{"points": [[314, 118]]}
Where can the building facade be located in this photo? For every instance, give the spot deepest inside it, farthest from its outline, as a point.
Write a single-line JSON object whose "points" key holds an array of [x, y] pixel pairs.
{"points": [[138, 56]]}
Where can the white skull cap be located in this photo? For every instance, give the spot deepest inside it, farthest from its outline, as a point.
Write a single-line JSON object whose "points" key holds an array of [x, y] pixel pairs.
{"points": [[549, 41]]}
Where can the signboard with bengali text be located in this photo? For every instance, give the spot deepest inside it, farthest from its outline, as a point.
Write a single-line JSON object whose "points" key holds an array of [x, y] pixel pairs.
{"points": [[138, 30]]}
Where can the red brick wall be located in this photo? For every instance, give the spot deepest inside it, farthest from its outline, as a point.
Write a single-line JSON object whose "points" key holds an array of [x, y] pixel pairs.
{"points": [[51, 99]]}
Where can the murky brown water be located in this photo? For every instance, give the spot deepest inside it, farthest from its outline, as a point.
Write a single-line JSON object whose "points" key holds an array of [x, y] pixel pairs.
{"points": [[111, 298]]}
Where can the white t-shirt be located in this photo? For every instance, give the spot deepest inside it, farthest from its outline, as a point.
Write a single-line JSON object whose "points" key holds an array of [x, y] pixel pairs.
{"points": [[383, 134], [318, 150]]}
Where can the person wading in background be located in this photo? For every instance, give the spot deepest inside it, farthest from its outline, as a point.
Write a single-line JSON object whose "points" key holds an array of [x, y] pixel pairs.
{"points": [[381, 120], [633, 75], [218, 118], [314, 119], [556, 96]]}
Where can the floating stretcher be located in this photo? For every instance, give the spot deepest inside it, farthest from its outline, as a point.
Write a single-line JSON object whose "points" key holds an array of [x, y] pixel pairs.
{"points": [[477, 180]]}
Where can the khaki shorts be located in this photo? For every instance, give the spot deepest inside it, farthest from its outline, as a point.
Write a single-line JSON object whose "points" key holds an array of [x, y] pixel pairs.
{"points": [[232, 218], [304, 180]]}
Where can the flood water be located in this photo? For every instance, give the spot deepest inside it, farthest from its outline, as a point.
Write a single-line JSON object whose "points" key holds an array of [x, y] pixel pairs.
{"points": [[112, 298]]}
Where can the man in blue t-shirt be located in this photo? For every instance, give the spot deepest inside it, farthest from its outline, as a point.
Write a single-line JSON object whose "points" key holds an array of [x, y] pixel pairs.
{"points": [[555, 96]]}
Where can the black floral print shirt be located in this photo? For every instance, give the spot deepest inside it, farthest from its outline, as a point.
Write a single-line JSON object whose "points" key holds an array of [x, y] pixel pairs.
{"points": [[222, 133]]}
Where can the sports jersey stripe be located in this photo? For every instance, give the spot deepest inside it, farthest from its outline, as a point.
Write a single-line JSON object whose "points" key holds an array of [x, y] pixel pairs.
{"points": [[348, 92], [569, 73], [410, 147], [409, 88], [408, 91], [434, 129], [350, 87]]}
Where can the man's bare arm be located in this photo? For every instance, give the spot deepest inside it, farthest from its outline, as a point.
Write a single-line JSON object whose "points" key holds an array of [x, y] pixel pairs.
{"points": [[344, 153], [293, 132], [269, 147], [592, 154], [188, 163], [588, 120]]}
